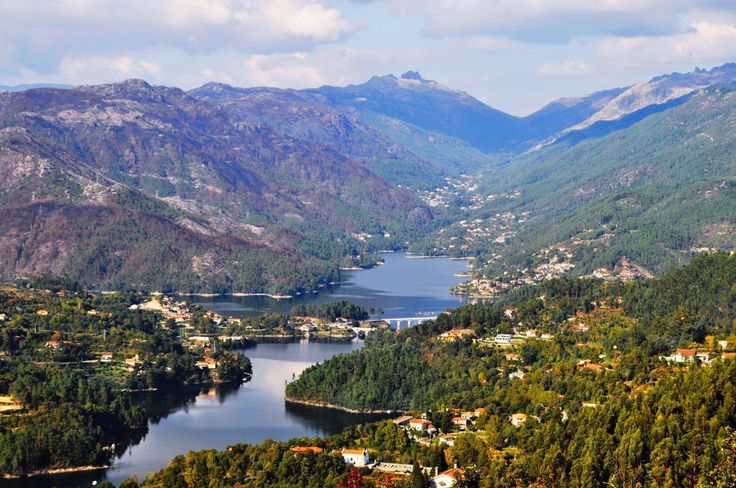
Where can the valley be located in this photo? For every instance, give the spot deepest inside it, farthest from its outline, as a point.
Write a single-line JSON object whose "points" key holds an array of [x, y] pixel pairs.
{"points": [[260, 190], [575, 286]]}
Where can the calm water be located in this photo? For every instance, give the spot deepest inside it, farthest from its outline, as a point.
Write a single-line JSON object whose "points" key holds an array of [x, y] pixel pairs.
{"points": [[402, 287], [218, 417]]}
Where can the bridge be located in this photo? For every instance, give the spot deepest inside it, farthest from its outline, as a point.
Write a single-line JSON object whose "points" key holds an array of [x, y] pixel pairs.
{"points": [[398, 322]]}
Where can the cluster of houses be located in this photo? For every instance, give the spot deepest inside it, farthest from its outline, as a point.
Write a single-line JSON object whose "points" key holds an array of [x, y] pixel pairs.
{"points": [[179, 311], [705, 358], [360, 458], [309, 326], [422, 430]]}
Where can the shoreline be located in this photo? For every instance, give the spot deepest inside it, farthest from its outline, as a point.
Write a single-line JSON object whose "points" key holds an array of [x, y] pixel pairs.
{"points": [[235, 294], [55, 471], [311, 403]]}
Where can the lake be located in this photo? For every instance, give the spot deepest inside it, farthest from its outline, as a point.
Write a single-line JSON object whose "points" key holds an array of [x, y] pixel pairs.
{"points": [[402, 287], [220, 416]]}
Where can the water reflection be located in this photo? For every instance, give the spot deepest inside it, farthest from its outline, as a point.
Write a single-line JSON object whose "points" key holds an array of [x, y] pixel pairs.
{"points": [[402, 287], [213, 418]]}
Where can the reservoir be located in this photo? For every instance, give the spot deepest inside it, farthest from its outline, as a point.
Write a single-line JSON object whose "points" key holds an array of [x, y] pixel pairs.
{"points": [[217, 417], [403, 286]]}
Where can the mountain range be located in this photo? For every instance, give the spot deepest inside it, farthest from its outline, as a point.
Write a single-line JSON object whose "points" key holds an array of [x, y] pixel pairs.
{"points": [[271, 190]]}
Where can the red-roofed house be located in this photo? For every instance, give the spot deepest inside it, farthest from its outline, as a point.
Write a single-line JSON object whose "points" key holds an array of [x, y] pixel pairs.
{"points": [[684, 355], [447, 478]]}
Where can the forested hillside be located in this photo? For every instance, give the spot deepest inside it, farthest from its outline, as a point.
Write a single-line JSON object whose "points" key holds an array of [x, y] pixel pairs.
{"points": [[590, 371], [134, 185], [271, 191], [632, 419], [642, 194]]}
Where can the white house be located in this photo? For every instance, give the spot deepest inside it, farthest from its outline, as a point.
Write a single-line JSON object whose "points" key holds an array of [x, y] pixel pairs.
{"points": [[519, 375], [460, 422], [518, 419], [447, 478], [684, 355], [106, 357], [447, 439], [503, 339], [200, 339], [356, 457]]}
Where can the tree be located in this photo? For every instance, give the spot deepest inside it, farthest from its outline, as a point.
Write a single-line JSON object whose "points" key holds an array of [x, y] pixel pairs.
{"points": [[353, 480], [417, 479]]}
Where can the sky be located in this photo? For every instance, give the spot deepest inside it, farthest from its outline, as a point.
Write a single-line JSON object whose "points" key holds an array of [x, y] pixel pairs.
{"points": [[515, 55]]}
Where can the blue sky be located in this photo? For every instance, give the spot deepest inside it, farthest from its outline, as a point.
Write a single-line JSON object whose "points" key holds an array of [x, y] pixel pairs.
{"points": [[515, 55]]}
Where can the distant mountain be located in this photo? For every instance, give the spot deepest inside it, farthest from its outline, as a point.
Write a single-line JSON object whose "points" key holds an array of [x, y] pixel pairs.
{"points": [[270, 190], [658, 188], [409, 130], [657, 91], [429, 106], [312, 118], [131, 183], [564, 113]]}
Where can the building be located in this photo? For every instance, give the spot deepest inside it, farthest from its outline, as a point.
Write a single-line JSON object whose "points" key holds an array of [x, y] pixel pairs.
{"points": [[132, 362], [455, 334], [306, 450], [480, 411], [703, 357], [200, 339], [518, 419], [447, 439], [460, 422], [403, 420], [207, 363], [106, 357], [684, 355], [503, 339], [43, 312], [447, 478], [421, 425], [357, 457], [516, 375]]}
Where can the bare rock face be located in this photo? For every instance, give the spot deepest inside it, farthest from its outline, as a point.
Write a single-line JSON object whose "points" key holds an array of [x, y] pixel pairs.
{"points": [[659, 90]]}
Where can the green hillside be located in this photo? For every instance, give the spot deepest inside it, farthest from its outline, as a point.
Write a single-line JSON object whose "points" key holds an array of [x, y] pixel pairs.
{"points": [[653, 192]]}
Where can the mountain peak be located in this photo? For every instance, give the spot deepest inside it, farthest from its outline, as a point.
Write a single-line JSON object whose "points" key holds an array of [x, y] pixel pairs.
{"points": [[412, 75]]}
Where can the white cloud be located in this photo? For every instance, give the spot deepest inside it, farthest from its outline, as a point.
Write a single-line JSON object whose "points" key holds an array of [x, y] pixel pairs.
{"points": [[551, 20], [568, 68], [104, 68], [197, 25], [710, 41]]}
